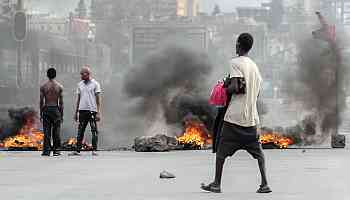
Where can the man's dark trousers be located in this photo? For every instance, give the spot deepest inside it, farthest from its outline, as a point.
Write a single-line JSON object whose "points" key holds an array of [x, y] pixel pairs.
{"points": [[52, 125], [85, 117]]}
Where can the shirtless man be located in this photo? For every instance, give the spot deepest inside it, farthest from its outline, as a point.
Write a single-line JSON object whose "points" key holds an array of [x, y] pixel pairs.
{"points": [[51, 112]]}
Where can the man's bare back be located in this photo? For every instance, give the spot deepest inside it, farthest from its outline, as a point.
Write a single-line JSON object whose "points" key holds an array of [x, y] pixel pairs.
{"points": [[51, 113], [51, 94]]}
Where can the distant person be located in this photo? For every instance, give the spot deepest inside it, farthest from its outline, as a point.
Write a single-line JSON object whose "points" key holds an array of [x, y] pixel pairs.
{"points": [[239, 129], [326, 32], [88, 108], [51, 113]]}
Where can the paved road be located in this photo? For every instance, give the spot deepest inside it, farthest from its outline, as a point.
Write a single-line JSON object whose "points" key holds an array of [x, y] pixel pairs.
{"points": [[322, 174]]}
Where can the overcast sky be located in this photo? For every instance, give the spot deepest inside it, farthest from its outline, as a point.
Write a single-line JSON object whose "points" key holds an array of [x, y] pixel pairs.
{"points": [[63, 7]]}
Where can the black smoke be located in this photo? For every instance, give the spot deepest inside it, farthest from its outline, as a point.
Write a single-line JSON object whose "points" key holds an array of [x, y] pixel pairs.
{"points": [[172, 81], [16, 119], [318, 84]]}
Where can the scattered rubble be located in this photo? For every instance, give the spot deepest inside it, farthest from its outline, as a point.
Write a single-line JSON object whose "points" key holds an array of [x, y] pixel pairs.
{"points": [[157, 143]]}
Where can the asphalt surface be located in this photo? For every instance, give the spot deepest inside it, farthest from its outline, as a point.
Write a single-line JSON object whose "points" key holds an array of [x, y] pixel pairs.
{"points": [[297, 174]]}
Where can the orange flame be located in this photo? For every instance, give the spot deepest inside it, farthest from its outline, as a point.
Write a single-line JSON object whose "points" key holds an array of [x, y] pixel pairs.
{"points": [[279, 140], [28, 137], [196, 134], [72, 141]]}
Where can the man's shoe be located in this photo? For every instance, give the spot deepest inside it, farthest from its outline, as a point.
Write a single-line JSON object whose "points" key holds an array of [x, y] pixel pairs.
{"points": [[57, 153], [75, 153], [45, 154], [94, 153], [211, 188], [264, 189]]}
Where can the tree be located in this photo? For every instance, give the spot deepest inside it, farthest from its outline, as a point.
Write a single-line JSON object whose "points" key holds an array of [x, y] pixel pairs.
{"points": [[81, 10], [216, 10], [94, 11]]}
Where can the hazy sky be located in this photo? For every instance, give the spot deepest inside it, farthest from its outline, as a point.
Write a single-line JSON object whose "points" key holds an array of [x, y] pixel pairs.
{"points": [[63, 7]]}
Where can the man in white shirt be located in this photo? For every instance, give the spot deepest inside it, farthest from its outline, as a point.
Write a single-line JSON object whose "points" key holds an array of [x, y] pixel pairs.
{"points": [[88, 108], [239, 129]]}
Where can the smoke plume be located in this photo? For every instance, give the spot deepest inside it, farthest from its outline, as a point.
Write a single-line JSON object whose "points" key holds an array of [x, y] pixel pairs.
{"points": [[17, 118], [318, 84], [172, 83]]}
